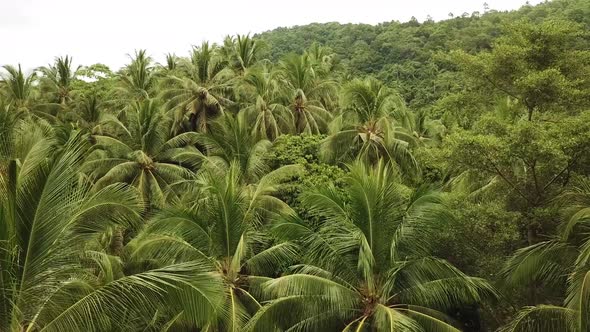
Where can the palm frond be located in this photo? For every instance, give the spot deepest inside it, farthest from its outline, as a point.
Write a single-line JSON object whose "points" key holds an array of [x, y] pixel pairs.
{"points": [[543, 318]]}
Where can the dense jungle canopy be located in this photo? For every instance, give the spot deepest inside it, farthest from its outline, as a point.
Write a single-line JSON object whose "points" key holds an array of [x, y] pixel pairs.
{"points": [[416, 176]]}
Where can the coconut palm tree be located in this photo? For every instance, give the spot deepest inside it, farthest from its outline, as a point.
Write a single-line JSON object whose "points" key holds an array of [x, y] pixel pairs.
{"points": [[421, 130], [242, 52], [222, 218], [322, 59], [563, 260], [171, 62], [263, 107], [145, 155], [91, 113], [18, 87], [18, 90], [366, 263], [198, 94], [135, 294], [57, 79], [302, 90], [323, 62], [138, 79], [366, 129], [231, 140], [547, 318], [47, 216]]}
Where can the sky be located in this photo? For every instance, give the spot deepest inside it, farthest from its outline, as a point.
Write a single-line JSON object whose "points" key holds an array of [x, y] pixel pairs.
{"points": [[34, 32]]}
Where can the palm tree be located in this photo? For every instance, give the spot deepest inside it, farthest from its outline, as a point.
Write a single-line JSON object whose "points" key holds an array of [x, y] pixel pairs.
{"points": [[553, 263], [146, 155], [90, 113], [302, 91], [18, 87], [200, 93], [222, 219], [47, 215], [135, 294], [323, 62], [171, 62], [366, 265], [242, 52], [20, 93], [421, 130], [366, 129], [230, 140], [263, 106], [57, 79], [550, 318], [138, 79], [322, 59]]}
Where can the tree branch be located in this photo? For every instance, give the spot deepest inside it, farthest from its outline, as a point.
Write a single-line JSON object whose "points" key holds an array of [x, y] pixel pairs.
{"points": [[509, 182], [569, 164], [502, 89], [534, 172]]}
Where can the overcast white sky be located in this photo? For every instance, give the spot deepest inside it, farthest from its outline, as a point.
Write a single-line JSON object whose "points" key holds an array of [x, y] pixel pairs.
{"points": [[33, 32]]}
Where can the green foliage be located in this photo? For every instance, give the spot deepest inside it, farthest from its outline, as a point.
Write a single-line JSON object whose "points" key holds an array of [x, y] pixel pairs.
{"points": [[405, 54], [530, 161], [367, 261], [303, 150], [291, 149], [541, 66], [317, 178], [475, 222]]}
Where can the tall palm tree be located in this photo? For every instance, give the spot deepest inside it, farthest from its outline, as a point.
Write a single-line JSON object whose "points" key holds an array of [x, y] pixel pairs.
{"points": [[46, 216], [135, 293], [231, 141], [322, 59], [171, 62], [366, 265], [302, 91], [18, 87], [90, 114], [242, 52], [138, 79], [223, 219], [57, 79], [553, 263], [146, 155], [366, 129], [19, 91], [263, 105], [323, 62], [421, 130], [200, 92]]}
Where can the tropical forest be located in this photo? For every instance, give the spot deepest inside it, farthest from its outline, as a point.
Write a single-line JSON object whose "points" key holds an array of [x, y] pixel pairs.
{"points": [[405, 176]]}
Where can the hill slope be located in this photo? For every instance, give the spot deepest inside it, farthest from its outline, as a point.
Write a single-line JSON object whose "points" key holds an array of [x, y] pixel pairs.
{"points": [[404, 54]]}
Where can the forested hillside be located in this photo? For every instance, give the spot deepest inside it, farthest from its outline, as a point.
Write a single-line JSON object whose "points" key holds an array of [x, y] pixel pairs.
{"points": [[401, 177], [407, 55]]}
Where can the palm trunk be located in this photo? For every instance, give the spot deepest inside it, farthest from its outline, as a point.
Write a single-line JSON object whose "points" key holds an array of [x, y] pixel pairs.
{"points": [[531, 234], [193, 121], [117, 239]]}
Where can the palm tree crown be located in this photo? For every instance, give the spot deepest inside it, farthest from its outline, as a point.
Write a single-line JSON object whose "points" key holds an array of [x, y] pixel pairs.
{"points": [[366, 264], [145, 155]]}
